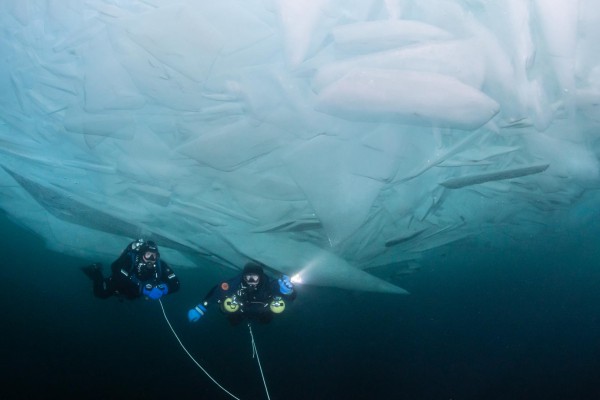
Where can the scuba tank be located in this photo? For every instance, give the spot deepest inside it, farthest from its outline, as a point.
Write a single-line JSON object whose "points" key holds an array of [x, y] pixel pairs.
{"points": [[277, 305], [230, 305]]}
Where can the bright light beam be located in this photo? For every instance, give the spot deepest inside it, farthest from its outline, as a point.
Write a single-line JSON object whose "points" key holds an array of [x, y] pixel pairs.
{"points": [[296, 279]]}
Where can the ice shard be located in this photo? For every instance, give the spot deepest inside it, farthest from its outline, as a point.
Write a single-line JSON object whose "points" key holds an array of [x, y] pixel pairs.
{"points": [[474, 179]]}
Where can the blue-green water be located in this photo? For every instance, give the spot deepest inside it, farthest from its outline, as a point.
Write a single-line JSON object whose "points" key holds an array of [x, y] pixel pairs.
{"points": [[518, 324]]}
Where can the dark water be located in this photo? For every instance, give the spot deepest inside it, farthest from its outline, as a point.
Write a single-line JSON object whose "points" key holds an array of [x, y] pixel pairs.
{"points": [[518, 324]]}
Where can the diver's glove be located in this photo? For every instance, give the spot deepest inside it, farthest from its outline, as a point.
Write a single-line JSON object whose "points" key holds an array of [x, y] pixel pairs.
{"points": [[155, 292], [285, 285], [196, 313]]}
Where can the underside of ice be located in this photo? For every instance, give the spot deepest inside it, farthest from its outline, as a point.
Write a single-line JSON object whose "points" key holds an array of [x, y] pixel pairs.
{"points": [[338, 139]]}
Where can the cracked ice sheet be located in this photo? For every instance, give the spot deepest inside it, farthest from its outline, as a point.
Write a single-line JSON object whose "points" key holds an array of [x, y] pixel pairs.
{"points": [[265, 130]]}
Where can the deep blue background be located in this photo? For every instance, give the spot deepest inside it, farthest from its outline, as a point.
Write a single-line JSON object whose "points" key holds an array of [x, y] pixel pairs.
{"points": [[518, 323]]}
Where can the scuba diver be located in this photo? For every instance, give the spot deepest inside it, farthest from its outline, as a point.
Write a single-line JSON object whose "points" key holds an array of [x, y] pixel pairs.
{"points": [[251, 294], [139, 271]]}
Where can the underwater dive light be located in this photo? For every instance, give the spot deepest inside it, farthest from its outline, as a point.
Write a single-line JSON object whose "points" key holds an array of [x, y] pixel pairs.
{"points": [[296, 279]]}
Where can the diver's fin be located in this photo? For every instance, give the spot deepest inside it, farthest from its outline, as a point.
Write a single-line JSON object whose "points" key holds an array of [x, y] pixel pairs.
{"points": [[94, 271]]}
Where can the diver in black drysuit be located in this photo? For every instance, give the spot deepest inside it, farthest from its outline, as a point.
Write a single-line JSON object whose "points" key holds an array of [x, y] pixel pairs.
{"points": [[139, 271], [251, 294]]}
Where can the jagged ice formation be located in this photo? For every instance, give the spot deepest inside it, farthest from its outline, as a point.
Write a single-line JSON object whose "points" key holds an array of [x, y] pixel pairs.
{"points": [[332, 137]]}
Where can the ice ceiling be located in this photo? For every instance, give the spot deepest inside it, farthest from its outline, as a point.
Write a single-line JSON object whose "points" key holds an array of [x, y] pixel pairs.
{"points": [[333, 136]]}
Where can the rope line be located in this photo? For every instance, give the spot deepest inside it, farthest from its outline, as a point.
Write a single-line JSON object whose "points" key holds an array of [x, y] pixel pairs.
{"points": [[255, 351], [194, 360]]}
